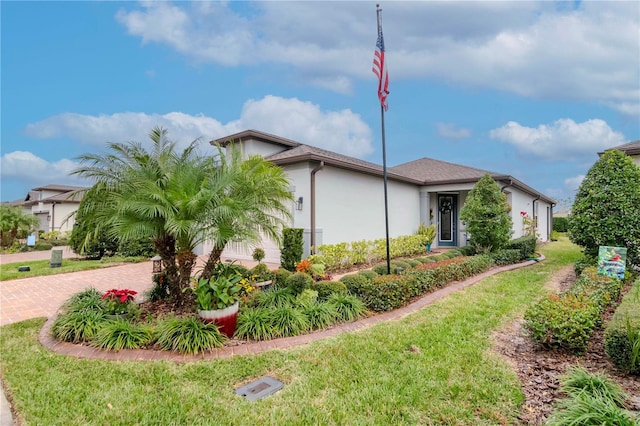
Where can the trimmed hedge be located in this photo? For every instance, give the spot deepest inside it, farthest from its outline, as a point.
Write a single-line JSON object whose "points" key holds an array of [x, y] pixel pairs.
{"points": [[568, 320], [299, 282], [622, 336], [560, 224], [388, 292], [506, 256], [526, 245], [326, 288]]}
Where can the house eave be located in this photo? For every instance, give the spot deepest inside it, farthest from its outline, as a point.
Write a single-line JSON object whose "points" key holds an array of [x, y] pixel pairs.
{"points": [[343, 165], [254, 135]]}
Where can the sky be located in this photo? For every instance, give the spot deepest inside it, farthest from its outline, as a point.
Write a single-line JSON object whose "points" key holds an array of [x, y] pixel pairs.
{"points": [[529, 89]]}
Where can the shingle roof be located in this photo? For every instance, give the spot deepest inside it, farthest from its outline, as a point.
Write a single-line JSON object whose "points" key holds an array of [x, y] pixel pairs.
{"points": [[630, 148], [256, 135], [66, 194], [56, 187], [436, 171], [307, 152]]}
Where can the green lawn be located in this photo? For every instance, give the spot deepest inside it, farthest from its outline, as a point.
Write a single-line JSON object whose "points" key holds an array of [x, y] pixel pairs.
{"points": [[433, 367], [9, 271]]}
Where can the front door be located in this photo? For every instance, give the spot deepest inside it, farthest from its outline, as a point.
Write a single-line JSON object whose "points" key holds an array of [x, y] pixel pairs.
{"points": [[447, 220]]}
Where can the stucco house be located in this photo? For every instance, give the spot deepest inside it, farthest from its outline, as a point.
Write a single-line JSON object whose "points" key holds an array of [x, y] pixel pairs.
{"points": [[342, 197], [51, 204], [632, 149]]}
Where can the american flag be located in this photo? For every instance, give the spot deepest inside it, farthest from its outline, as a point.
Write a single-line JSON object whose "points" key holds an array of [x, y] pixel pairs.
{"points": [[380, 69]]}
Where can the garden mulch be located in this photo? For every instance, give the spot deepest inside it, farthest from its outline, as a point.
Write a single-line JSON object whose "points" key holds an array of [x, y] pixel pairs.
{"points": [[539, 370]]}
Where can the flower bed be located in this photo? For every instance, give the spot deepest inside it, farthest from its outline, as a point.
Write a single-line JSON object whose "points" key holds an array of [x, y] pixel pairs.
{"points": [[296, 303]]}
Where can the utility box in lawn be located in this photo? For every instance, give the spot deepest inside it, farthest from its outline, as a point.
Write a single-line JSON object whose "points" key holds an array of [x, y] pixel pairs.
{"points": [[56, 259]]}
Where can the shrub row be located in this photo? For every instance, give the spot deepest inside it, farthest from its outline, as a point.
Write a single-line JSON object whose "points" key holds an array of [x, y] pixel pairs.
{"points": [[622, 336], [560, 224], [526, 245], [335, 256], [388, 292], [568, 320]]}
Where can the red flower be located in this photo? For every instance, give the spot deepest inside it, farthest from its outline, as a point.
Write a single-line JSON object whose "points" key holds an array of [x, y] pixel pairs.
{"points": [[523, 213], [124, 295]]}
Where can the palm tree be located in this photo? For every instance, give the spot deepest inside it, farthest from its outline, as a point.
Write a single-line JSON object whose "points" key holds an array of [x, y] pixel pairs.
{"points": [[158, 194], [14, 221], [257, 204], [179, 200]]}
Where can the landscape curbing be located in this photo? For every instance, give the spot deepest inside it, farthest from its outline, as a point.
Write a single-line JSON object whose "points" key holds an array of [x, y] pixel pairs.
{"points": [[84, 351]]}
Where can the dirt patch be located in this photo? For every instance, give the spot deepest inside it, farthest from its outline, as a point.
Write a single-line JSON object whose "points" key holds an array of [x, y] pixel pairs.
{"points": [[539, 370]]}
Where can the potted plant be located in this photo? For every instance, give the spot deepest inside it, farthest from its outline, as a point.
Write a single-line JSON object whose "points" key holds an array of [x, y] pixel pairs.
{"points": [[217, 298], [119, 303], [428, 233]]}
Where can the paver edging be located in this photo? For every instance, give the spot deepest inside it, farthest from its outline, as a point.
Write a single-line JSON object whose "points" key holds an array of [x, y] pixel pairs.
{"points": [[83, 351]]}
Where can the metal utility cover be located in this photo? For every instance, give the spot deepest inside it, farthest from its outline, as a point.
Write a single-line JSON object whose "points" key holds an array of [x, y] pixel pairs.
{"points": [[262, 387]]}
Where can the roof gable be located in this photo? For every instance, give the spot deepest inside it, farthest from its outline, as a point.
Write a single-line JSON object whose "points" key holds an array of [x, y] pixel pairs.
{"points": [[254, 135], [436, 171]]}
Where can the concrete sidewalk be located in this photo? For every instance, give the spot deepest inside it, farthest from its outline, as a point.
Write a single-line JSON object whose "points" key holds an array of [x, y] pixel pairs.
{"points": [[67, 253]]}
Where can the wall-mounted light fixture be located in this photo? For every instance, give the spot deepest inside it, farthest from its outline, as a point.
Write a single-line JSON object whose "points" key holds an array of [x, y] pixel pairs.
{"points": [[299, 204]]}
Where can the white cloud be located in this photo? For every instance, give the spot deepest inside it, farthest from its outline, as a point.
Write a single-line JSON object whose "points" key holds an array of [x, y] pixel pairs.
{"points": [[563, 139], [26, 166], [573, 183], [122, 127], [543, 50], [341, 131], [450, 131]]}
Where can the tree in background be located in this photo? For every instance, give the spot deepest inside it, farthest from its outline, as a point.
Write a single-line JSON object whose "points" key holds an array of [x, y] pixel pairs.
{"points": [[606, 210], [487, 215], [14, 221]]}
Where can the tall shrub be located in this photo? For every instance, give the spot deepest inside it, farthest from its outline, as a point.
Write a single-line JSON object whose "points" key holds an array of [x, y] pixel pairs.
{"points": [[605, 211], [291, 252], [486, 213], [560, 224]]}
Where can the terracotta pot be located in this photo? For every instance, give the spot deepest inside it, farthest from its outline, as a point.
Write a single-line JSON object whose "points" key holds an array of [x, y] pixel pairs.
{"points": [[225, 318]]}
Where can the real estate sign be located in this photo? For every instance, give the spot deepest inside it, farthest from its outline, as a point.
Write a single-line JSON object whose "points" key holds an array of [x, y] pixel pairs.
{"points": [[612, 261]]}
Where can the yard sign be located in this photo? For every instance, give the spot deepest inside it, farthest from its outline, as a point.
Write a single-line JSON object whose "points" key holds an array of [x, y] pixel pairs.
{"points": [[612, 261]]}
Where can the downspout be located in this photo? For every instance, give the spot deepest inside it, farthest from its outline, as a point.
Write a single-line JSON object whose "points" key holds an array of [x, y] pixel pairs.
{"points": [[319, 167], [533, 215], [53, 216], [550, 224]]}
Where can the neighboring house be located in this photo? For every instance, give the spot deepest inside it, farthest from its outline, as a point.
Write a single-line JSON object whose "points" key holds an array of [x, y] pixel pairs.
{"points": [[632, 149], [51, 204], [342, 197]]}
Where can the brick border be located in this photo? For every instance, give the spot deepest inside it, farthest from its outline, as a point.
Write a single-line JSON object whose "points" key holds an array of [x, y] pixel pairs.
{"points": [[84, 351]]}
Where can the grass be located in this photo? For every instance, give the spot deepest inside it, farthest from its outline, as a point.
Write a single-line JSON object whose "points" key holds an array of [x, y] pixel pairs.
{"points": [[9, 271], [433, 367]]}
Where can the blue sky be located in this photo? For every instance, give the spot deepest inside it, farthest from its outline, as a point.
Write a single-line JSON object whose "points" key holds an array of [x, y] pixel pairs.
{"points": [[531, 89]]}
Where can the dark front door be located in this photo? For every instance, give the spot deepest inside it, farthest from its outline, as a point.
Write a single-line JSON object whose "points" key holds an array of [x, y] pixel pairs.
{"points": [[447, 220]]}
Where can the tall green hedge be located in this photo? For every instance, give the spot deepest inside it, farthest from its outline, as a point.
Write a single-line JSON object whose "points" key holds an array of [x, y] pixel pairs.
{"points": [[605, 211], [622, 336], [292, 247], [560, 224]]}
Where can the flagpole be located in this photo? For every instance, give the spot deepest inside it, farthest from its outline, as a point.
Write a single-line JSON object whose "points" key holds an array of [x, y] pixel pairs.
{"points": [[384, 160]]}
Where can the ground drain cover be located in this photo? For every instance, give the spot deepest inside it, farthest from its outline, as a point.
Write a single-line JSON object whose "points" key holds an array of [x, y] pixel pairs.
{"points": [[262, 387]]}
